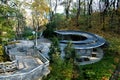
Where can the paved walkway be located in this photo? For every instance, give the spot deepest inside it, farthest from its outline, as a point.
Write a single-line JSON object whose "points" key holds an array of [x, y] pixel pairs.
{"points": [[27, 63]]}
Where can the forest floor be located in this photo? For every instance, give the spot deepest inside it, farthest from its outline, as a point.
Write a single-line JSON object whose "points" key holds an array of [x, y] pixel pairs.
{"points": [[116, 74]]}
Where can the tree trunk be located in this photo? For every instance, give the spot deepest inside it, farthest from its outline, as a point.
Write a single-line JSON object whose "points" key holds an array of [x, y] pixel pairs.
{"points": [[89, 4], [106, 6], [55, 6], [50, 11], [17, 29], [90, 7], [84, 7], [67, 8], [78, 13], [118, 4]]}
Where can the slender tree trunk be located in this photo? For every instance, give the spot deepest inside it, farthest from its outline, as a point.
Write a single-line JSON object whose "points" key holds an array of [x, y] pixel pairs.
{"points": [[84, 7], [78, 13], [100, 9], [33, 22], [67, 8], [104, 12], [50, 11], [118, 4], [90, 7], [106, 6], [17, 29], [114, 3], [112, 13], [55, 6], [89, 4]]}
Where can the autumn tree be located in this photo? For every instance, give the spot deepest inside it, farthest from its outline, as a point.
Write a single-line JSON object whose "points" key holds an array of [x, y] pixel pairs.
{"points": [[19, 17], [39, 12]]}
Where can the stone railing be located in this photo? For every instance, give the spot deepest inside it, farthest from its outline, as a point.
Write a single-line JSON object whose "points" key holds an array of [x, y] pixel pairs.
{"points": [[43, 59], [30, 75], [8, 66]]}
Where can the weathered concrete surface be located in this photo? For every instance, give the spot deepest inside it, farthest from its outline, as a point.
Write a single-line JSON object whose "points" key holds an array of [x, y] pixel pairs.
{"points": [[32, 65]]}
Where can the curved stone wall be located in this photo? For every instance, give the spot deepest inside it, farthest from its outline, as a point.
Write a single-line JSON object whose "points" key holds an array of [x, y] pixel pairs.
{"points": [[84, 47], [91, 41]]}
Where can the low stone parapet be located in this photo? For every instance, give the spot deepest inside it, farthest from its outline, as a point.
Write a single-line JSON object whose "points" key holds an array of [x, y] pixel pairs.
{"points": [[8, 66], [33, 74]]}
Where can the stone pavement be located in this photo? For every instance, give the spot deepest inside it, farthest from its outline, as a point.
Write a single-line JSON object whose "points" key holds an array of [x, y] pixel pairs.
{"points": [[31, 64]]}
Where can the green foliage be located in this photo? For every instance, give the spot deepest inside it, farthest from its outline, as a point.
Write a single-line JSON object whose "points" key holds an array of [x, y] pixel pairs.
{"points": [[62, 69], [59, 69], [98, 70], [57, 22], [54, 47], [6, 23], [5, 10], [3, 56], [58, 18], [27, 33], [114, 44], [69, 51], [49, 32]]}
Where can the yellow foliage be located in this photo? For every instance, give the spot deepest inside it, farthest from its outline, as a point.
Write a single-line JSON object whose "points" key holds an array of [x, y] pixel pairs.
{"points": [[40, 9], [104, 78], [67, 73], [50, 68], [1, 50], [116, 60], [14, 42], [40, 6]]}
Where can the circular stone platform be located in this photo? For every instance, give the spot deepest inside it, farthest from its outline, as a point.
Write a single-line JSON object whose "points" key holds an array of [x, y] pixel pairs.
{"points": [[91, 41], [87, 45]]}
